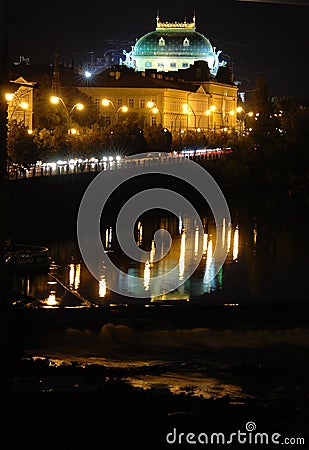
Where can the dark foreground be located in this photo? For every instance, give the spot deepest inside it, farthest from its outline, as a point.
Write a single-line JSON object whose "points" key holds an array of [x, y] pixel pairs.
{"points": [[116, 415], [93, 406]]}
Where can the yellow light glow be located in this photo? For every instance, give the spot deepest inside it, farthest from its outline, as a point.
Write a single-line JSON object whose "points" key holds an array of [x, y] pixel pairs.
{"points": [[54, 100], [51, 300], [139, 233], [105, 102], [185, 108], [150, 104], [9, 96], [236, 243], [77, 276], [79, 106], [147, 276], [196, 241], [182, 255], [24, 105], [213, 108], [152, 252], [102, 287]]}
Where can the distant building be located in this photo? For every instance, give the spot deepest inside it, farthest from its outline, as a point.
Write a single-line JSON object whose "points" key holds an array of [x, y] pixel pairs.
{"points": [[177, 69], [174, 67], [186, 99], [20, 102], [172, 46]]}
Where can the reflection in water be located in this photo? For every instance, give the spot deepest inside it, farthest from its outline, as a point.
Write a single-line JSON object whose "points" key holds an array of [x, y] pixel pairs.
{"points": [[139, 233], [229, 236], [108, 238], [102, 287], [253, 270], [182, 255], [51, 299], [147, 275], [196, 242], [74, 276], [236, 243]]}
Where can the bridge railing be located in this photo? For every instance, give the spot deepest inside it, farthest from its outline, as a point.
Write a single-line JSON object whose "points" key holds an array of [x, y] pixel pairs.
{"points": [[93, 165]]}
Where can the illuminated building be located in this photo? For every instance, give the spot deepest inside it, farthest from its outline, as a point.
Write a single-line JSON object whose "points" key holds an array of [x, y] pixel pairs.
{"points": [[20, 102], [177, 70], [173, 46]]}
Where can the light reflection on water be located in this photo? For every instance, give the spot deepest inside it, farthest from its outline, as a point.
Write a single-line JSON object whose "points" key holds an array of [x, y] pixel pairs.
{"points": [[69, 282], [262, 251], [266, 262]]}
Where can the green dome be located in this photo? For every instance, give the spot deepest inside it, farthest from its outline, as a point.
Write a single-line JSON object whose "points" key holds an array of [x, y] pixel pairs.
{"points": [[173, 43]]}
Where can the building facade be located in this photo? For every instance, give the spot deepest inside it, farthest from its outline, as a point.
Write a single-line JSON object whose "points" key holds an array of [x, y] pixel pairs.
{"points": [[176, 70], [178, 101], [20, 102]]}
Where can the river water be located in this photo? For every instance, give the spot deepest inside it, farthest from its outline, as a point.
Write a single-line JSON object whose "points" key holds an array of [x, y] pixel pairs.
{"points": [[207, 351]]}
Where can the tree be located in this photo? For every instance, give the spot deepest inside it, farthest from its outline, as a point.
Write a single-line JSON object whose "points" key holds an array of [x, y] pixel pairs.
{"points": [[158, 139], [21, 147]]}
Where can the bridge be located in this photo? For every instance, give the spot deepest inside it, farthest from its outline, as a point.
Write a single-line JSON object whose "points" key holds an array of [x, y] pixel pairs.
{"points": [[78, 166]]}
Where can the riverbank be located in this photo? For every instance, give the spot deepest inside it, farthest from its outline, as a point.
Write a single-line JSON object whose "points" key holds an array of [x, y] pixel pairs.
{"points": [[96, 406], [121, 376]]}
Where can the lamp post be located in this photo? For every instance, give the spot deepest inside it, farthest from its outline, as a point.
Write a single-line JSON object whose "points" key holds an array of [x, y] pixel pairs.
{"points": [[180, 121], [154, 109], [79, 106], [106, 102], [240, 110], [185, 108], [209, 112]]}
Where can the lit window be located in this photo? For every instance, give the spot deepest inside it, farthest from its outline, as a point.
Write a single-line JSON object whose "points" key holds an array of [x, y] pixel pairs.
{"points": [[161, 42], [186, 42]]}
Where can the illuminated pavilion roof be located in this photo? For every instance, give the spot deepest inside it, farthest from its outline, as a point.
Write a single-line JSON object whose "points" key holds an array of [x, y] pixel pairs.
{"points": [[173, 39]]}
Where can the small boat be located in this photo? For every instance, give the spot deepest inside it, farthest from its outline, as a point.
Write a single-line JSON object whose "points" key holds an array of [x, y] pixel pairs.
{"points": [[22, 258]]}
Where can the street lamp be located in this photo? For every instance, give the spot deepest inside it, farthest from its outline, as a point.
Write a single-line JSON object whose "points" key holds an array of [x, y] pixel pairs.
{"points": [[210, 112], [106, 102], [185, 108], [154, 109], [16, 102], [240, 110], [79, 106]]}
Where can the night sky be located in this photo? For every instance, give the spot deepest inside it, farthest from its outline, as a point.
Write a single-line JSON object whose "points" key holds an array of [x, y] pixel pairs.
{"points": [[259, 38]]}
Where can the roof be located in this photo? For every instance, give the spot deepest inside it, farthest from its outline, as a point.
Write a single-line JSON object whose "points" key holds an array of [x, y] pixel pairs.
{"points": [[173, 43], [122, 76]]}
